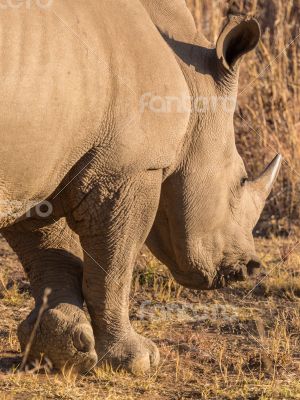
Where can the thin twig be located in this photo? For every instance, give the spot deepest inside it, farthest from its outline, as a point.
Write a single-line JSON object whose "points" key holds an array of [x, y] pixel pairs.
{"points": [[43, 307]]}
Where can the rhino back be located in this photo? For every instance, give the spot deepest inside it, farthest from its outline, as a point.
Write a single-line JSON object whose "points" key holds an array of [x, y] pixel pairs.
{"points": [[64, 71]]}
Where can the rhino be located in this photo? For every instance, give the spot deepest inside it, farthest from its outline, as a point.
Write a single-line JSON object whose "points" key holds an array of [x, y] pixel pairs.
{"points": [[106, 146]]}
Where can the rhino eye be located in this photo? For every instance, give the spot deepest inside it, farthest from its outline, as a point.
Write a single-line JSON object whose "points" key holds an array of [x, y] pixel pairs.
{"points": [[244, 180]]}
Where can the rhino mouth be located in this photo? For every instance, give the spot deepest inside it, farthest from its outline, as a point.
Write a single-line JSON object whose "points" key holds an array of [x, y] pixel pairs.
{"points": [[202, 280], [223, 278], [237, 273], [198, 281]]}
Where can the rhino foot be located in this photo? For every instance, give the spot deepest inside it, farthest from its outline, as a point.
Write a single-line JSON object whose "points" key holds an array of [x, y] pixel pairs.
{"points": [[132, 352], [63, 335]]}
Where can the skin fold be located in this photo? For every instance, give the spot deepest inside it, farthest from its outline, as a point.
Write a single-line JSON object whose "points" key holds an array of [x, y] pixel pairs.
{"points": [[99, 125]]}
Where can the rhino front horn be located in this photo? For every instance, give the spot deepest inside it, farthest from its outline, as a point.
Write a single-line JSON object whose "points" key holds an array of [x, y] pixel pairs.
{"points": [[267, 179]]}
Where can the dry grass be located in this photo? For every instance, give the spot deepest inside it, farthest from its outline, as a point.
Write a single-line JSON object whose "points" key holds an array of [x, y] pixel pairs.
{"points": [[237, 343], [268, 118]]}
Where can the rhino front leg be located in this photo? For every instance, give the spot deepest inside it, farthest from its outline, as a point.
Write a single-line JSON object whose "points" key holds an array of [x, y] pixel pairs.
{"points": [[112, 235], [51, 259]]}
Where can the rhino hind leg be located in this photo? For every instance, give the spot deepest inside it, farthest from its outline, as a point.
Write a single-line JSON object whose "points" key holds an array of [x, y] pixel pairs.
{"points": [[112, 232], [51, 259]]}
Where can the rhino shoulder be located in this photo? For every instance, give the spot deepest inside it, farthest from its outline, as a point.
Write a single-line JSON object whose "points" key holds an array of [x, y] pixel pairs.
{"points": [[151, 99]]}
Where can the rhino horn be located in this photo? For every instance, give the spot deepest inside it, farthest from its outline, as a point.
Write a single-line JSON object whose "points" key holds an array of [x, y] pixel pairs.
{"points": [[267, 179]]}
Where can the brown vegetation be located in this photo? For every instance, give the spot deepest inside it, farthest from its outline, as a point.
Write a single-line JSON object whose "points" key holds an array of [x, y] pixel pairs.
{"points": [[241, 343]]}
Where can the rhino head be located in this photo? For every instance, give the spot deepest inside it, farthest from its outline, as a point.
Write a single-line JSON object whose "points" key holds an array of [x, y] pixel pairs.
{"points": [[209, 207]]}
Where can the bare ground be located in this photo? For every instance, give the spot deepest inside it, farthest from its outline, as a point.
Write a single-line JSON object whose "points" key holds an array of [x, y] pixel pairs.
{"points": [[237, 343]]}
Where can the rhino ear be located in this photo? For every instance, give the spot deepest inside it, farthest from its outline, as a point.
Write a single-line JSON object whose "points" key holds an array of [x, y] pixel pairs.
{"points": [[239, 36]]}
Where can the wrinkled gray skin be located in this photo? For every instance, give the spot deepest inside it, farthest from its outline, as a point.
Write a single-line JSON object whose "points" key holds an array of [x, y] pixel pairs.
{"points": [[73, 132]]}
